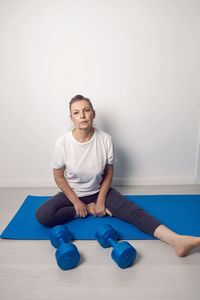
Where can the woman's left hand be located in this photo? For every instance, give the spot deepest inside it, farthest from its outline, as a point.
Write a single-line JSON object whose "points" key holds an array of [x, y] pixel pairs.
{"points": [[99, 209]]}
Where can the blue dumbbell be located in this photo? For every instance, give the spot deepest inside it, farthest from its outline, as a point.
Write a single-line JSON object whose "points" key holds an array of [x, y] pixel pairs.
{"points": [[123, 253], [67, 255]]}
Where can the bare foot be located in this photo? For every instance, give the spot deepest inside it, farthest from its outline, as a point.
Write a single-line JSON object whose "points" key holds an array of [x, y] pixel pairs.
{"points": [[185, 244], [108, 212], [91, 209], [182, 244]]}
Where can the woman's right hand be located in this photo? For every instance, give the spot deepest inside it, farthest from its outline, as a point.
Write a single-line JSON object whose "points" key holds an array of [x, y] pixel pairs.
{"points": [[81, 209]]}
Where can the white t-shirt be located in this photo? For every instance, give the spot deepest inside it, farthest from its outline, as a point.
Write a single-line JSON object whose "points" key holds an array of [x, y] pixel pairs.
{"points": [[84, 162]]}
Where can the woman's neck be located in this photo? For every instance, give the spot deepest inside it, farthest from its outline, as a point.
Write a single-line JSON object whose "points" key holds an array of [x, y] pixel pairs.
{"points": [[83, 135]]}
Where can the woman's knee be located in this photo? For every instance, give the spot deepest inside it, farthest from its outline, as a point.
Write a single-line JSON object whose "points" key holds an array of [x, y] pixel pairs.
{"points": [[45, 213], [43, 217]]}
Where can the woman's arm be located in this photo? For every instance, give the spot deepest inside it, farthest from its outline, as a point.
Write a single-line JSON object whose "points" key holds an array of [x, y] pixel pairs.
{"points": [[106, 182], [100, 209], [79, 206]]}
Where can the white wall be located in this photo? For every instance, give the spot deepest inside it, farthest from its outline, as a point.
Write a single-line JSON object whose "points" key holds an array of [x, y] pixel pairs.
{"points": [[137, 60]]}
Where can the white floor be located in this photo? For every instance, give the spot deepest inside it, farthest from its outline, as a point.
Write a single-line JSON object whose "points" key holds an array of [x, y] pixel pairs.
{"points": [[28, 269]]}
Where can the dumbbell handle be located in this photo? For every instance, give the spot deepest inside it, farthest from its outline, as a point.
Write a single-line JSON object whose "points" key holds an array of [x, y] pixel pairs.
{"points": [[61, 241], [112, 242]]}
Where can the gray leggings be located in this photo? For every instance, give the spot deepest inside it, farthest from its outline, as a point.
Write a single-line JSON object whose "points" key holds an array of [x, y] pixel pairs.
{"points": [[60, 210]]}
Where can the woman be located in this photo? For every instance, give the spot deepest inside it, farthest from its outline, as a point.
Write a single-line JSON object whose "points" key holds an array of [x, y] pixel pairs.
{"points": [[83, 169]]}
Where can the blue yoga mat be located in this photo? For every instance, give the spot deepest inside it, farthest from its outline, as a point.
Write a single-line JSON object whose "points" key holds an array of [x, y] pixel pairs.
{"points": [[179, 212]]}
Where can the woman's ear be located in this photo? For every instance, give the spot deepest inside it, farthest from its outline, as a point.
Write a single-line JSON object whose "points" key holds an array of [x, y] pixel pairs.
{"points": [[94, 114]]}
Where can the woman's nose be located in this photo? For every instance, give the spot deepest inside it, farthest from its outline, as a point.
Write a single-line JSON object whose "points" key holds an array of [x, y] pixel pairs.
{"points": [[82, 115]]}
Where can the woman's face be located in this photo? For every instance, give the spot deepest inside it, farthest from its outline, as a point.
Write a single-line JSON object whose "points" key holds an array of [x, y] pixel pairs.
{"points": [[82, 114]]}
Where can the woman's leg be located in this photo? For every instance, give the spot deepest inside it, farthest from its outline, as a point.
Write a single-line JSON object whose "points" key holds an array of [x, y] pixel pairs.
{"points": [[55, 211], [126, 210], [59, 209], [182, 244]]}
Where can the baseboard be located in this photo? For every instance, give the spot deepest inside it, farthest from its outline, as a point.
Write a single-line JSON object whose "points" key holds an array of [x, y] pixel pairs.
{"points": [[27, 183], [116, 182], [154, 181]]}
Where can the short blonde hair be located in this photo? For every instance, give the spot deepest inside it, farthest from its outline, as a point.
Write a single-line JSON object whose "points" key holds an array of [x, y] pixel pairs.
{"points": [[79, 98]]}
